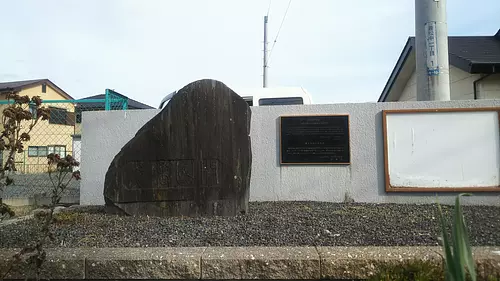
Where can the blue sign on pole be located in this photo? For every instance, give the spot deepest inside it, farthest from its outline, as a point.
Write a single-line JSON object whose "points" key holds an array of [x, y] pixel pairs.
{"points": [[431, 49]]}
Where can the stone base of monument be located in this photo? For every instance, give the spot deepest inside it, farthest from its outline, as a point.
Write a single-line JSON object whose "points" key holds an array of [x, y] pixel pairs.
{"points": [[176, 208]]}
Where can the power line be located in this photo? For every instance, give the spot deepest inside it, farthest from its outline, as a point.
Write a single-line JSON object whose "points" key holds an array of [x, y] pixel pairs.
{"points": [[277, 34], [269, 8]]}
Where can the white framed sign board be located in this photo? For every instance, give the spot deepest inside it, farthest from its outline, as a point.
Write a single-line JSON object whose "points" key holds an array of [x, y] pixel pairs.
{"points": [[442, 150]]}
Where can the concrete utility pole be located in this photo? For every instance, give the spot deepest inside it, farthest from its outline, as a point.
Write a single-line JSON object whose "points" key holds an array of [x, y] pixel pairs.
{"points": [[264, 79], [431, 40]]}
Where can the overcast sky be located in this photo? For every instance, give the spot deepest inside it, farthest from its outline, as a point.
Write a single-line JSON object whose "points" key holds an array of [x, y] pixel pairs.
{"points": [[340, 51]]}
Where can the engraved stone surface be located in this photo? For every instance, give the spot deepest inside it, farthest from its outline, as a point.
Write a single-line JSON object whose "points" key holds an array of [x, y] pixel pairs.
{"points": [[192, 159]]}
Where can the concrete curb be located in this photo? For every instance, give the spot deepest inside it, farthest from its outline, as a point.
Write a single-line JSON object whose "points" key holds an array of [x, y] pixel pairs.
{"points": [[232, 263]]}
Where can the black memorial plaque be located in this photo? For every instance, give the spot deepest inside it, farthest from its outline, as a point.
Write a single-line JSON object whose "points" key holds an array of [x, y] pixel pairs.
{"points": [[315, 139]]}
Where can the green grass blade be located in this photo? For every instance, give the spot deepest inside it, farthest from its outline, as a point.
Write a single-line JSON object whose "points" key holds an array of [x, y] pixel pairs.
{"points": [[465, 248], [448, 262], [458, 241]]}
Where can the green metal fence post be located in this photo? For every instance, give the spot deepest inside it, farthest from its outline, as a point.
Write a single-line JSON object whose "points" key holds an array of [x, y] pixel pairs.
{"points": [[107, 105]]}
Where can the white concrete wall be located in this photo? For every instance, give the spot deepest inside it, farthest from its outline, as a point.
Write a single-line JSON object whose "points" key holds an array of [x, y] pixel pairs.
{"points": [[104, 133], [462, 86]]}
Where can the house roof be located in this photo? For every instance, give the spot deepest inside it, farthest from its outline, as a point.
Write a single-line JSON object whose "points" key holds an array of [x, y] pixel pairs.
{"points": [[472, 54], [132, 104], [20, 85]]}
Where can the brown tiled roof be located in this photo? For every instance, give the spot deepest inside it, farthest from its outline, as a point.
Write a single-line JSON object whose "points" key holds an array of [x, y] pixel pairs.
{"points": [[20, 85]]}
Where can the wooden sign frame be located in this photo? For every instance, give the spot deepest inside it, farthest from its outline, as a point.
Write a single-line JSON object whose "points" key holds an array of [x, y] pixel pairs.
{"points": [[314, 163], [390, 188]]}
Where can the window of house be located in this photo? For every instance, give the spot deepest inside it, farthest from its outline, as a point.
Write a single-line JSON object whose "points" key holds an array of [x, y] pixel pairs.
{"points": [[37, 151], [44, 88], [58, 116], [57, 149], [281, 101]]}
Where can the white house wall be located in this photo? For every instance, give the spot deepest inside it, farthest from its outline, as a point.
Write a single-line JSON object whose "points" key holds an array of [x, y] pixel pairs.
{"points": [[410, 91], [461, 86], [489, 87]]}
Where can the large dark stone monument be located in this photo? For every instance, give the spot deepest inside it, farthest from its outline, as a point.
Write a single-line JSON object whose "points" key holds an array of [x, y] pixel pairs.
{"points": [[192, 159]]}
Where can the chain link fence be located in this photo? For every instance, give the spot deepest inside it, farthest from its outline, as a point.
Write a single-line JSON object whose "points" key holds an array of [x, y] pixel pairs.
{"points": [[60, 134]]}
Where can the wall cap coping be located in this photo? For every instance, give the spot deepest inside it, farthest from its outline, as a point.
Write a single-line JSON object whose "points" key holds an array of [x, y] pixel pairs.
{"points": [[233, 263]]}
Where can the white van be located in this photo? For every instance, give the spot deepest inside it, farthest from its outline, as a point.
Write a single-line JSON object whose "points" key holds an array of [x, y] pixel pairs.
{"points": [[265, 96], [275, 96]]}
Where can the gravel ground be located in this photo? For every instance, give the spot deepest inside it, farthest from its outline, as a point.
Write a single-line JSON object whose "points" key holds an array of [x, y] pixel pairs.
{"points": [[267, 224]]}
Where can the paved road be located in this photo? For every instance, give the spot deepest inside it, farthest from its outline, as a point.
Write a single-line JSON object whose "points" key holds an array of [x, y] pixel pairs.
{"points": [[29, 185]]}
